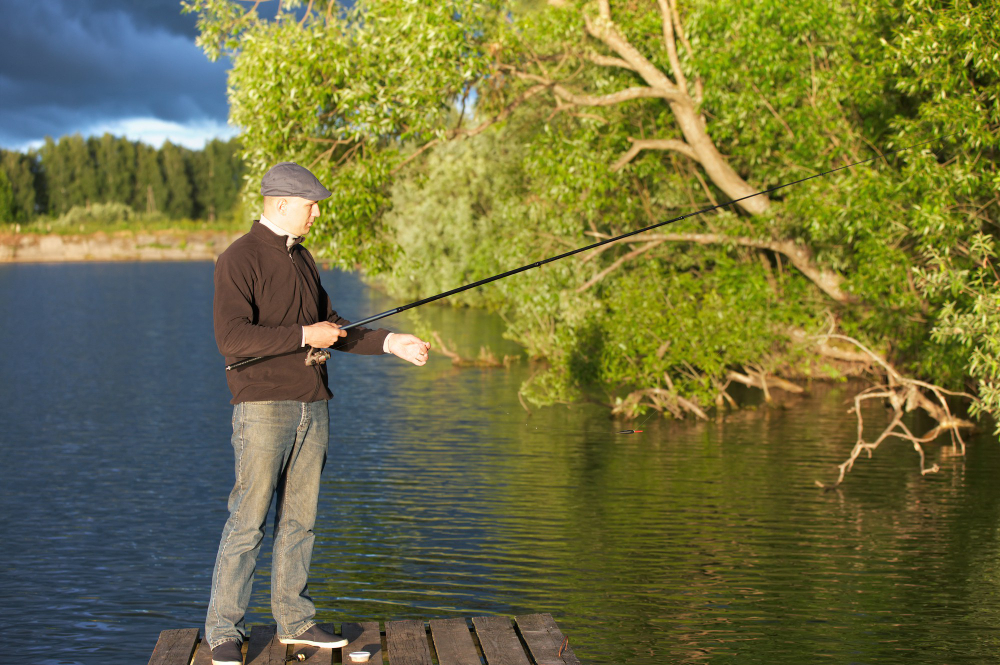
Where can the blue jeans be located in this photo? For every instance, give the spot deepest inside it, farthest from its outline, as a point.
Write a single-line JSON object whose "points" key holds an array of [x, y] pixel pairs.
{"points": [[280, 449]]}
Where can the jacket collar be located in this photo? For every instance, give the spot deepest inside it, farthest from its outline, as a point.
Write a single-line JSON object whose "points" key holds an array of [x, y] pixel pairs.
{"points": [[269, 237]]}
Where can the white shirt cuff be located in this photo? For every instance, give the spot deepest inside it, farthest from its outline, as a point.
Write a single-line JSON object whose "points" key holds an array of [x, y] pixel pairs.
{"points": [[303, 337], [385, 344]]}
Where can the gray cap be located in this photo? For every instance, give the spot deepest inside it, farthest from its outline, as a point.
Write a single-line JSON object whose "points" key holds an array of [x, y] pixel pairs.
{"points": [[290, 179]]}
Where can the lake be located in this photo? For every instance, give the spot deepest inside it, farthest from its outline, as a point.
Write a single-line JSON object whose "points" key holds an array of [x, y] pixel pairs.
{"points": [[692, 542]]}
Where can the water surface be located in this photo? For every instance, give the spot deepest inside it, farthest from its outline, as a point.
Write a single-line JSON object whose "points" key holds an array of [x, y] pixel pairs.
{"points": [[693, 542]]}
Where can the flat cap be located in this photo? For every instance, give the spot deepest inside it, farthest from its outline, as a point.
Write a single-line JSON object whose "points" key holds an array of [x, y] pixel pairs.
{"points": [[290, 179]]}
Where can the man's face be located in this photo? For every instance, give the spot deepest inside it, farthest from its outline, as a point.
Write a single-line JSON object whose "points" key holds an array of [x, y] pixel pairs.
{"points": [[296, 215]]}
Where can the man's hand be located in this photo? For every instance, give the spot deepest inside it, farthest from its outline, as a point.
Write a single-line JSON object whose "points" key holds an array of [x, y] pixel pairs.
{"points": [[409, 347], [322, 335]]}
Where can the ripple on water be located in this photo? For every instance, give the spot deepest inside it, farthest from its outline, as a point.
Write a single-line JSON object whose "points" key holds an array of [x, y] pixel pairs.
{"points": [[692, 542]]}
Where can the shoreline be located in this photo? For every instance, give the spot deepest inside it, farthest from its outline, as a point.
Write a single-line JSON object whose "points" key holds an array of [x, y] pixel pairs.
{"points": [[141, 245]]}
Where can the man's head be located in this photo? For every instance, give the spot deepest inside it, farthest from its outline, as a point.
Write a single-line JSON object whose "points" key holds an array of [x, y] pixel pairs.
{"points": [[291, 197]]}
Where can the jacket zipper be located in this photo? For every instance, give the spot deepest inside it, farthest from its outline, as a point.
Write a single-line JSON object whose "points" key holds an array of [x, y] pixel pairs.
{"points": [[298, 276]]}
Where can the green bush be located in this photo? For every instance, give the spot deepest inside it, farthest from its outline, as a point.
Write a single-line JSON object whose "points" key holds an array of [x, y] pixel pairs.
{"points": [[101, 213]]}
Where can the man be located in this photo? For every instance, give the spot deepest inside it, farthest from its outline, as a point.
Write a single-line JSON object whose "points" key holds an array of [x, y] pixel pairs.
{"points": [[269, 302]]}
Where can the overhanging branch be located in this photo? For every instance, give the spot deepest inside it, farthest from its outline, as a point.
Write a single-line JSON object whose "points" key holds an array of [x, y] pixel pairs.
{"points": [[638, 145], [828, 281]]}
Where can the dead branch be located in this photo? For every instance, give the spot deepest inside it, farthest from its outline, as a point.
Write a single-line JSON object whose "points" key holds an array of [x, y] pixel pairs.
{"points": [[903, 395], [486, 357], [827, 350], [763, 381], [660, 400]]}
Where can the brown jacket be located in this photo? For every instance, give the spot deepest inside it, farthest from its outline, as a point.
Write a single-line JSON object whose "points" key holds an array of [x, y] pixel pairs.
{"points": [[264, 294]]}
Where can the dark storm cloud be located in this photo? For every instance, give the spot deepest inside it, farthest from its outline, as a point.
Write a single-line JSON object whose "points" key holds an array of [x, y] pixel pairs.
{"points": [[66, 65]]}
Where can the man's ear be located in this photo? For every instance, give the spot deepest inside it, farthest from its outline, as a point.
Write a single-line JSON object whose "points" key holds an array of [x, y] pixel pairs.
{"points": [[280, 205]]}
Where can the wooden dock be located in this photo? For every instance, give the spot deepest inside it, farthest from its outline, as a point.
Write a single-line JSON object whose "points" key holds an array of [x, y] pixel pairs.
{"points": [[532, 639]]}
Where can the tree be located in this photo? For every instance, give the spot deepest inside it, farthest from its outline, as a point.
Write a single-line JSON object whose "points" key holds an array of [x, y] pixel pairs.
{"points": [[174, 163], [20, 170], [217, 176], [150, 191], [82, 187], [56, 177], [630, 113], [7, 206], [115, 158]]}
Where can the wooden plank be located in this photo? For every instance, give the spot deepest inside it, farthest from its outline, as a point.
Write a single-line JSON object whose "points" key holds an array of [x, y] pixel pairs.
{"points": [[263, 647], [174, 647], [203, 656], [406, 642], [499, 641], [453, 642], [309, 655], [544, 640], [363, 637]]}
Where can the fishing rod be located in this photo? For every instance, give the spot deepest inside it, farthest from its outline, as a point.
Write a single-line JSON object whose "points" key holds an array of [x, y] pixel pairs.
{"points": [[551, 259]]}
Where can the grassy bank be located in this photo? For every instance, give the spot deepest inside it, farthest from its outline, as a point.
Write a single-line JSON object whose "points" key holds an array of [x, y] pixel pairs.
{"points": [[115, 218]]}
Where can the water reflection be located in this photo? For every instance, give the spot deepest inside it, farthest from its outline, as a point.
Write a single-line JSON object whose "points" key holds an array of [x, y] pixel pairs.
{"points": [[693, 542]]}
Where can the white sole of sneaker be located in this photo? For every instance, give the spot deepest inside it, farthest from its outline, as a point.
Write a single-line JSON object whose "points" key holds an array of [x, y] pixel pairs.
{"points": [[322, 645]]}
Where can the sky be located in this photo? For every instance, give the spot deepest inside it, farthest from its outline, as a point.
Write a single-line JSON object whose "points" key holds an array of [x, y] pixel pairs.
{"points": [[127, 67]]}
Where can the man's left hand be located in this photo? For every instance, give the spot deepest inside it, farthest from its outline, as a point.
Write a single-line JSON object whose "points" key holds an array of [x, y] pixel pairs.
{"points": [[410, 348]]}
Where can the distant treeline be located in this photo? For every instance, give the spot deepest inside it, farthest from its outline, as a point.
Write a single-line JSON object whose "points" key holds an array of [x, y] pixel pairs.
{"points": [[171, 181]]}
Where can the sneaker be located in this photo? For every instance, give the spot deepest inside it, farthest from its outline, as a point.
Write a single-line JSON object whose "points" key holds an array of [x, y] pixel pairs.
{"points": [[227, 653], [316, 637]]}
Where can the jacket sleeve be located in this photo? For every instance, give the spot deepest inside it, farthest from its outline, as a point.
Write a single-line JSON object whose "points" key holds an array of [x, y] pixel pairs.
{"points": [[363, 341], [235, 314]]}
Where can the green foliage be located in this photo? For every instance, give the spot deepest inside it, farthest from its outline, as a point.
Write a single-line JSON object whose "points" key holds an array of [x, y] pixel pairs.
{"points": [[448, 215], [788, 90], [175, 163], [21, 172], [343, 95], [104, 213], [965, 280], [7, 206], [78, 173], [216, 174]]}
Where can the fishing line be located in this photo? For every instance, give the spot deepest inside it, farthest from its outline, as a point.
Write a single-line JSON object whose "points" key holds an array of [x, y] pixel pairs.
{"points": [[537, 264]]}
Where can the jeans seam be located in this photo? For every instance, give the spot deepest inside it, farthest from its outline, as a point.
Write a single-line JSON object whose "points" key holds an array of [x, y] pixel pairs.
{"points": [[225, 544], [309, 624], [279, 592]]}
